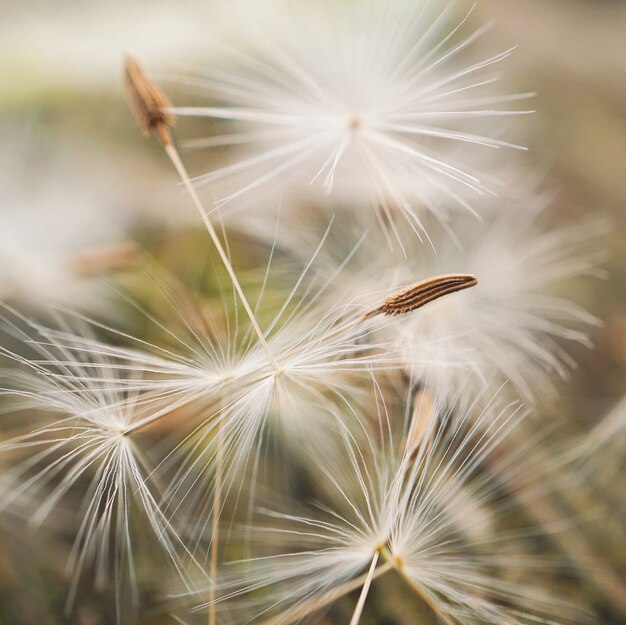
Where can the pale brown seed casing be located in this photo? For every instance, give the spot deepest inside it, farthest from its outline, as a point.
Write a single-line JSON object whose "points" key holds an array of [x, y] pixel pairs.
{"points": [[423, 414], [147, 101], [423, 293]]}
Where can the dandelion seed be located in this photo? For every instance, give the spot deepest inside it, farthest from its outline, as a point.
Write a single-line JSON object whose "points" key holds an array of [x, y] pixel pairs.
{"points": [[516, 325], [423, 293], [421, 422]]}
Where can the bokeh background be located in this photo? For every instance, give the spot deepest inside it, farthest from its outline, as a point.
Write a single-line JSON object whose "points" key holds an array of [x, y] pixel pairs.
{"points": [[78, 185]]}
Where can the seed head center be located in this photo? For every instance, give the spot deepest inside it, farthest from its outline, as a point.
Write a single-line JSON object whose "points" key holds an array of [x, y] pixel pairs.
{"points": [[355, 122]]}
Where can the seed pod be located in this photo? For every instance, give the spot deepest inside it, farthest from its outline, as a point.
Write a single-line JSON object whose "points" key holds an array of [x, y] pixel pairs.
{"points": [[148, 102], [422, 293]]}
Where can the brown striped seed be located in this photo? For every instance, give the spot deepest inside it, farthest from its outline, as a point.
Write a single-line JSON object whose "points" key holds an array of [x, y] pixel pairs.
{"points": [[422, 293]]}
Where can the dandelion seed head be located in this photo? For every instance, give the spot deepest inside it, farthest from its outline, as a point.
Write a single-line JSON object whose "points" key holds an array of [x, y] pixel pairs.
{"points": [[77, 406], [365, 103], [515, 324], [379, 501]]}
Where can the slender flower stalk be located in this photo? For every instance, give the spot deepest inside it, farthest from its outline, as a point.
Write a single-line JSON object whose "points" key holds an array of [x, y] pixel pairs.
{"points": [[215, 528], [358, 610], [150, 107]]}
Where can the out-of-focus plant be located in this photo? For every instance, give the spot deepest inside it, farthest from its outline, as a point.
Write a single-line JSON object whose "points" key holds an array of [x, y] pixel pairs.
{"points": [[271, 442]]}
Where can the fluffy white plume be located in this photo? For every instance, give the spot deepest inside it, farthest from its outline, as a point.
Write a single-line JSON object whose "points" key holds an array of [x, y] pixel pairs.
{"points": [[514, 325], [384, 505], [75, 407], [367, 102]]}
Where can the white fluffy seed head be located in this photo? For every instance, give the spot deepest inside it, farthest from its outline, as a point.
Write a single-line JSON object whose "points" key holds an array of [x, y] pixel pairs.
{"points": [[72, 449], [365, 102], [378, 501], [515, 324]]}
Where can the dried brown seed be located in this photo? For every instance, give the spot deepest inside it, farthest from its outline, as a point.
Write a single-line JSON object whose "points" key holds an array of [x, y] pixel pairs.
{"points": [[423, 293], [148, 102]]}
